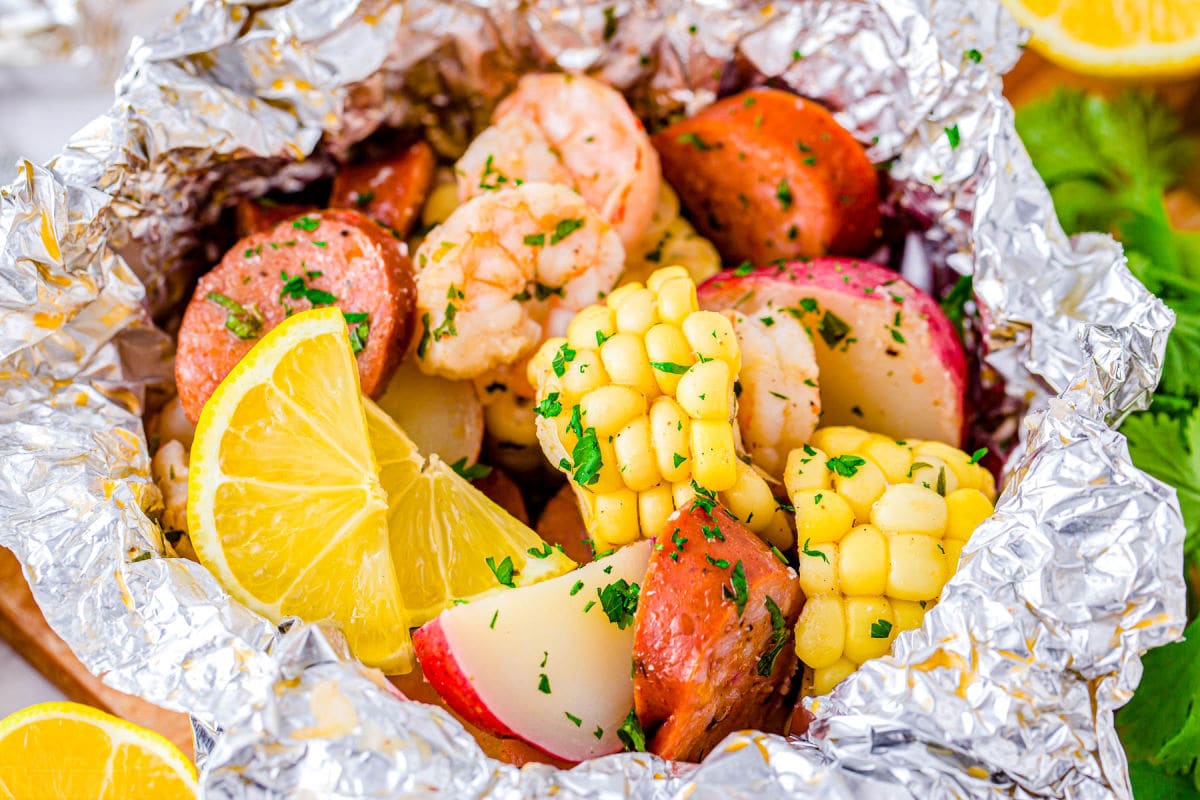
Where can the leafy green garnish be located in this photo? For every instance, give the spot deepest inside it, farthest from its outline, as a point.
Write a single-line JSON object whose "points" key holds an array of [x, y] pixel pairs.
{"points": [[779, 637], [503, 571], [737, 590], [619, 600], [631, 734]]}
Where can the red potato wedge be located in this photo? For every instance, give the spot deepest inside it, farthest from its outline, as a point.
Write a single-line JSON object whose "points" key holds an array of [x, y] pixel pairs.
{"points": [[562, 524], [326, 253], [391, 190], [414, 686], [262, 214], [890, 361], [710, 655], [767, 175], [548, 663]]}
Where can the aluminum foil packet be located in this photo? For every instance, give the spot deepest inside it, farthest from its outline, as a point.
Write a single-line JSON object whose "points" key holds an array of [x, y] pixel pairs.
{"points": [[1009, 687]]}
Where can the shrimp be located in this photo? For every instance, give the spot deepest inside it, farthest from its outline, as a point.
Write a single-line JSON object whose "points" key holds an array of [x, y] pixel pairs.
{"points": [[507, 270], [573, 130], [780, 404]]}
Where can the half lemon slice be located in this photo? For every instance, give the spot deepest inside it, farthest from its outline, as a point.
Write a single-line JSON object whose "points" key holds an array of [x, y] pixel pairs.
{"points": [[284, 500], [449, 541]]}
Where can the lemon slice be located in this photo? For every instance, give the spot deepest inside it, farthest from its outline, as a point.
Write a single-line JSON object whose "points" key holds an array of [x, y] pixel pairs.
{"points": [[68, 750], [284, 501], [444, 530], [1135, 38]]}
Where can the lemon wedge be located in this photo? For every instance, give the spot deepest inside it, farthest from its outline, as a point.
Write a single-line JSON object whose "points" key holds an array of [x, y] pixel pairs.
{"points": [[449, 541], [1133, 38], [68, 750], [285, 505]]}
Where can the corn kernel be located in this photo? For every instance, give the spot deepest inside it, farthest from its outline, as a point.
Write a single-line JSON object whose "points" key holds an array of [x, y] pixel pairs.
{"points": [[908, 614], [609, 408], [953, 552], [955, 459], [838, 440], [821, 631], [711, 335], [660, 277], [591, 327], [905, 508], [750, 499], [676, 299], [863, 566], [826, 678], [714, 455], [806, 470], [685, 246], [608, 478], [861, 489], [510, 418], [584, 374], [671, 431], [821, 516], [625, 360], [655, 505], [666, 347], [818, 569], [893, 459], [870, 628], [636, 312], [933, 473], [965, 510], [439, 205], [618, 295], [635, 455], [682, 494], [539, 365], [917, 570], [704, 391], [616, 519], [779, 532]]}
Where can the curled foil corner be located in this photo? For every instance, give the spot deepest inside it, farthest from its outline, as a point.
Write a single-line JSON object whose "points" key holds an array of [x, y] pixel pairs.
{"points": [[1008, 688]]}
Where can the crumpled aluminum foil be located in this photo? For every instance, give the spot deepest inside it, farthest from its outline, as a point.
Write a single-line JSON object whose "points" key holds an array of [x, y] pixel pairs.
{"points": [[1010, 686]]}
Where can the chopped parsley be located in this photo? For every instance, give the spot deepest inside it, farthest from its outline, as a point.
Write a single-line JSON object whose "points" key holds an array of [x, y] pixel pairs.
{"points": [[489, 171], [564, 356], [423, 345], [881, 629], [897, 336], [575, 425], [598, 733], [543, 552], [619, 600], [549, 407], [473, 472], [565, 228], [941, 482], [695, 141], [495, 616], [295, 288], [307, 224], [783, 193], [737, 590], [974, 55], [503, 571], [576, 587], [588, 461], [768, 321], [719, 563], [610, 30], [712, 532], [704, 498], [669, 366], [535, 239], [745, 268], [446, 328], [977, 455], [808, 303], [677, 459], [845, 465], [360, 329], [244, 323], [814, 553], [779, 554], [543, 684], [778, 395], [832, 328], [578, 722], [363, 199], [631, 734], [953, 136], [779, 637]]}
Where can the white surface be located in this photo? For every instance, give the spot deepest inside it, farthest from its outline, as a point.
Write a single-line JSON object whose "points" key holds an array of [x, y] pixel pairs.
{"points": [[35, 124]]}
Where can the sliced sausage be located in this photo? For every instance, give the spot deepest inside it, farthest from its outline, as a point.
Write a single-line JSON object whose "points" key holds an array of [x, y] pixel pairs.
{"points": [[329, 257], [712, 650], [765, 175], [562, 524], [262, 214], [390, 190], [504, 492]]}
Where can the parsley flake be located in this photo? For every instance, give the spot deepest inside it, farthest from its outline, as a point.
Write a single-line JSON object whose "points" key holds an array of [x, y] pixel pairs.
{"points": [[565, 228], [503, 571], [737, 590], [779, 637], [619, 600], [881, 629], [814, 553], [631, 734], [845, 465], [549, 407]]}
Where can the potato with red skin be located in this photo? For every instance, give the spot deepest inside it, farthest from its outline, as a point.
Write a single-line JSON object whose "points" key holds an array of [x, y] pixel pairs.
{"points": [[261, 214], [390, 190], [889, 359], [699, 664], [765, 175], [339, 252]]}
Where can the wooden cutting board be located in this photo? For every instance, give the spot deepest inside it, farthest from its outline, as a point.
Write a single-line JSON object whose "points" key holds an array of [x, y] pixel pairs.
{"points": [[23, 626]]}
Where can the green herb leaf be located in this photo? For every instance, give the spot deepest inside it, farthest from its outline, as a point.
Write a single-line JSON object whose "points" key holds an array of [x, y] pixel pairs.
{"points": [[578, 722], [881, 629], [783, 193], [631, 734], [814, 553], [363, 199], [543, 684], [473, 472], [307, 223], [244, 323], [564, 229], [668, 366], [535, 239], [695, 141], [550, 407], [779, 638], [619, 600], [737, 590], [953, 136], [977, 455], [503, 571], [832, 328], [564, 356], [845, 465], [587, 459]]}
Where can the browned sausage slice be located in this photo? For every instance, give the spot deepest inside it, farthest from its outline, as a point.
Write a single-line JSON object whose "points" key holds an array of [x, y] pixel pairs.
{"points": [[390, 191], [765, 175], [562, 524], [262, 214], [712, 648], [324, 258]]}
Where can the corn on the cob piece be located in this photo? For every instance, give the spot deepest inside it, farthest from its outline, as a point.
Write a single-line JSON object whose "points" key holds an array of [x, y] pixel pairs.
{"points": [[670, 239], [636, 405], [881, 525]]}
